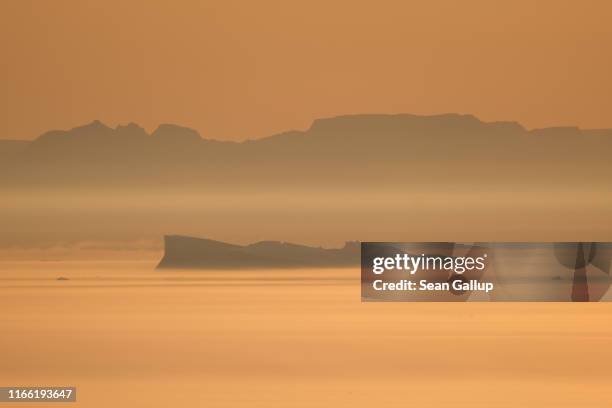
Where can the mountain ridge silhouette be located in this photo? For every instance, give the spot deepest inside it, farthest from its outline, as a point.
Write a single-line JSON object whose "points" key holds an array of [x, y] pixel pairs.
{"points": [[342, 150]]}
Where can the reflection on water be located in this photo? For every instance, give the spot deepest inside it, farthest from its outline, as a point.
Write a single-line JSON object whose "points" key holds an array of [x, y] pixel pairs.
{"points": [[287, 338]]}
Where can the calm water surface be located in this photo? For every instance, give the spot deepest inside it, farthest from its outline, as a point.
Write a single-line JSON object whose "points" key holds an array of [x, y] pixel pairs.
{"points": [[128, 336]]}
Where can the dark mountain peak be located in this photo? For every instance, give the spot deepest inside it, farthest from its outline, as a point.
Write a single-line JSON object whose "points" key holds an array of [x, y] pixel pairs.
{"points": [[170, 132], [85, 142], [91, 131], [394, 122], [130, 126], [94, 126], [414, 125], [131, 130]]}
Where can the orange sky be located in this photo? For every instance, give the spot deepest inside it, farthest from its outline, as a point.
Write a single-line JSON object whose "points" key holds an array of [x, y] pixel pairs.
{"points": [[243, 69]]}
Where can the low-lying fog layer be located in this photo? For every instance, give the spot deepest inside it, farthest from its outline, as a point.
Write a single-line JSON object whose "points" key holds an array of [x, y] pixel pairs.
{"points": [[128, 219]]}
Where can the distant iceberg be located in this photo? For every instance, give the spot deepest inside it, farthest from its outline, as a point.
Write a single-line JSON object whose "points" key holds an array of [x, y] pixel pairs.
{"points": [[181, 252]]}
